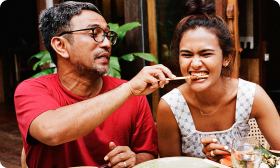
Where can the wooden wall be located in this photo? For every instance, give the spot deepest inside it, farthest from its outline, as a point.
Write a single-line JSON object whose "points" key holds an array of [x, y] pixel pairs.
{"points": [[1, 84]]}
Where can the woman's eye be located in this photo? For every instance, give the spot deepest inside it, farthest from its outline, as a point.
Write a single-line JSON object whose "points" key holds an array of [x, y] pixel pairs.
{"points": [[206, 54], [186, 55]]}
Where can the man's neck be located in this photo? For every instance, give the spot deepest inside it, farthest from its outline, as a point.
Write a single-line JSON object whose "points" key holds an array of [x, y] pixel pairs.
{"points": [[82, 86]]}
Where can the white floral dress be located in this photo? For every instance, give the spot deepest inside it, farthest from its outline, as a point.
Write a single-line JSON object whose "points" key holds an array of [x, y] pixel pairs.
{"points": [[191, 145]]}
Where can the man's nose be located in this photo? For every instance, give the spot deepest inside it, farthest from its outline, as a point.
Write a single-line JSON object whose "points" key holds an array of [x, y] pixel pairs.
{"points": [[106, 43]]}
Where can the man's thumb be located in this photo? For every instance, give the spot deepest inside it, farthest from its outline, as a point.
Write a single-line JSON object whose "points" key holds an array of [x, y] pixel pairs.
{"points": [[112, 145]]}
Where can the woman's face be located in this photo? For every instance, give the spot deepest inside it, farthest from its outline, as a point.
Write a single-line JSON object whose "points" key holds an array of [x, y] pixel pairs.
{"points": [[200, 54]]}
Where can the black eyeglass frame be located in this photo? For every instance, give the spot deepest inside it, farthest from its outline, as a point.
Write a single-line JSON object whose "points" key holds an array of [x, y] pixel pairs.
{"points": [[105, 34]]}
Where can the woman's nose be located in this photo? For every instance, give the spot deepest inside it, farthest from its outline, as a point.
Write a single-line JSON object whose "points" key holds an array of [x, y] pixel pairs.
{"points": [[196, 62]]}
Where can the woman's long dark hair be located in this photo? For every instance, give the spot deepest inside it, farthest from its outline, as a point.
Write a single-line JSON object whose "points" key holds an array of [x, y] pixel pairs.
{"points": [[199, 13]]}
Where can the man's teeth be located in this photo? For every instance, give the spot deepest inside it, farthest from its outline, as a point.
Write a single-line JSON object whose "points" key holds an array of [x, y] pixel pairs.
{"points": [[103, 57]]}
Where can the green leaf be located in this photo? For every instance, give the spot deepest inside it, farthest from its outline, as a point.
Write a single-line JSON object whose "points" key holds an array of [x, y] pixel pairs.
{"points": [[121, 31], [114, 63], [45, 59], [39, 55], [113, 26], [128, 57], [44, 72], [115, 67], [147, 56], [113, 72]]}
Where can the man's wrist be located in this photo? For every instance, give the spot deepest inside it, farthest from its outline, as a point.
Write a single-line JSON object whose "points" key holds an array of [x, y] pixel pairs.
{"points": [[127, 89]]}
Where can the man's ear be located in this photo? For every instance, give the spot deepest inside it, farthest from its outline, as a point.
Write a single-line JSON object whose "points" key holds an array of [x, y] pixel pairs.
{"points": [[59, 45]]}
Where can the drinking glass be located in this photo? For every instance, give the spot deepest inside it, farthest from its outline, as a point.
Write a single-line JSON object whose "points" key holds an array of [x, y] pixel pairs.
{"points": [[246, 153]]}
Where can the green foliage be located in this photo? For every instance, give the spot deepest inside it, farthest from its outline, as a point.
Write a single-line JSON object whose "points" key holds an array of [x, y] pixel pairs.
{"points": [[115, 68], [43, 57]]}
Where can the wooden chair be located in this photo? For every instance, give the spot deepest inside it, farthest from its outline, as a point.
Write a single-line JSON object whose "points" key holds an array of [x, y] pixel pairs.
{"points": [[23, 159], [257, 134]]}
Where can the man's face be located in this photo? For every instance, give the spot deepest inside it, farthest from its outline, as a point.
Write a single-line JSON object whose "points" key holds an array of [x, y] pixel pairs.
{"points": [[86, 54]]}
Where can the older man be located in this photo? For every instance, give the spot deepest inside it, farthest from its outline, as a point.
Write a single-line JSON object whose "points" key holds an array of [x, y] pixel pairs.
{"points": [[78, 117]]}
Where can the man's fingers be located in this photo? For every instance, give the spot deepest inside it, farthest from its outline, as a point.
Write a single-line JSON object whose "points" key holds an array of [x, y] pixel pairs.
{"points": [[116, 151], [112, 146], [149, 79], [126, 163], [120, 154], [165, 70]]}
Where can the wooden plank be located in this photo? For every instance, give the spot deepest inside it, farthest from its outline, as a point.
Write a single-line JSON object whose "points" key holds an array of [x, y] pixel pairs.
{"points": [[151, 5], [221, 6], [41, 5], [259, 34], [107, 10], [235, 34], [134, 39], [250, 69], [2, 98]]}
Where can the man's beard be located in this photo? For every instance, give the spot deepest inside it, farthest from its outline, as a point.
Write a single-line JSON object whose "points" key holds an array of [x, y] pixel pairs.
{"points": [[95, 69]]}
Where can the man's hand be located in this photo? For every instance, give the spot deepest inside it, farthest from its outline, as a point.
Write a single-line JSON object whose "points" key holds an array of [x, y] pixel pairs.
{"points": [[213, 149], [120, 156], [149, 79]]}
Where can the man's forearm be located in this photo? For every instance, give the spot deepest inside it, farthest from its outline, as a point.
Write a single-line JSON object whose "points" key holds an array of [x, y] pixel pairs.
{"points": [[64, 124]]}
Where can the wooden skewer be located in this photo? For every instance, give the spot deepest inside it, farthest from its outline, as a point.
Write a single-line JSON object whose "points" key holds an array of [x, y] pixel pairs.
{"points": [[189, 77]]}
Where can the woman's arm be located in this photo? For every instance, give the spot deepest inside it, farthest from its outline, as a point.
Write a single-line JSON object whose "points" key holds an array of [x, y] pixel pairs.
{"points": [[267, 117], [169, 139]]}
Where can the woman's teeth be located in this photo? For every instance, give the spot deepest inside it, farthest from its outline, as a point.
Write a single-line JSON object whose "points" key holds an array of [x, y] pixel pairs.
{"points": [[199, 74]]}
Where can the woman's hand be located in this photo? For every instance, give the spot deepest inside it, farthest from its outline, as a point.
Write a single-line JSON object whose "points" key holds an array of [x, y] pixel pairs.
{"points": [[213, 149]]}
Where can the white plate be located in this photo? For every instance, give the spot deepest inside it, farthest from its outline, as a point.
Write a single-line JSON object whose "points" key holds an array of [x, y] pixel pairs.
{"points": [[175, 162]]}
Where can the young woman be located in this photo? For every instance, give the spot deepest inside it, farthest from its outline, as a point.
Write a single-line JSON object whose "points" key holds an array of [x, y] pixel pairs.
{"points": [[201, 117]]}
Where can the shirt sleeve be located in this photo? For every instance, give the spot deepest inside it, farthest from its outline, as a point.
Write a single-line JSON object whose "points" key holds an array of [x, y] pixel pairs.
{"points": [[144, 138], [31, 99]]}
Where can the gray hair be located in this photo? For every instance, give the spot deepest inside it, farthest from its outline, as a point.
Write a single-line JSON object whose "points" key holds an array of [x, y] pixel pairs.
{"points": [[56, 19]]}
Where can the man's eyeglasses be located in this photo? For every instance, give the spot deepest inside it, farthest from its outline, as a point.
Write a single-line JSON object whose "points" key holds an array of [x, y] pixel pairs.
{"points": [[98, 34]]}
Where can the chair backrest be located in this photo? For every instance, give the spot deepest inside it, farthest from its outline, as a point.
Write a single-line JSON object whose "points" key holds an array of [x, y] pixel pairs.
{"points": [[256, 133], [23, 159]]}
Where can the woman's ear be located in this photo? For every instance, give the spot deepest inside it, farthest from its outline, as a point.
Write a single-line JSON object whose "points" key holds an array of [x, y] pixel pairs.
{"points": [[59, 45], [227, 60]]}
